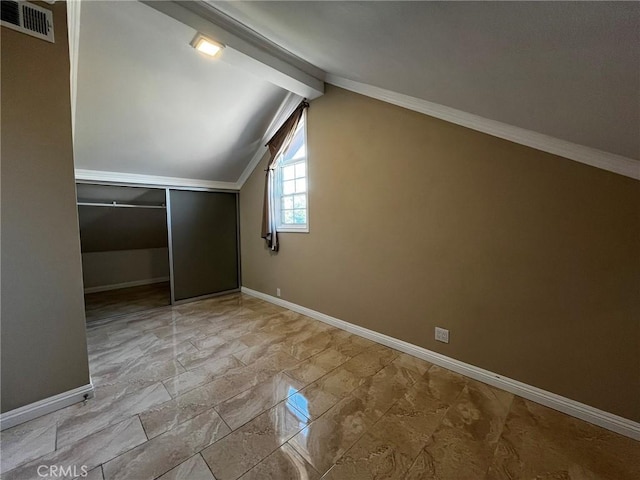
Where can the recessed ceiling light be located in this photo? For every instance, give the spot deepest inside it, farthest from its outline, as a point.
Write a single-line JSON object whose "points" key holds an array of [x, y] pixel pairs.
{"points": [[206, 45]]}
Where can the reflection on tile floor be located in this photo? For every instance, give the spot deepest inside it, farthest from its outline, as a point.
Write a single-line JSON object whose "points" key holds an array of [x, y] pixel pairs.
{"points": [[234, 387], [122, 301]]}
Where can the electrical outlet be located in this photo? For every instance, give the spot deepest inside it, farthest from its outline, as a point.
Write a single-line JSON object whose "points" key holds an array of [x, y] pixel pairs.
{"points": [[277, 292], [442, 335]]}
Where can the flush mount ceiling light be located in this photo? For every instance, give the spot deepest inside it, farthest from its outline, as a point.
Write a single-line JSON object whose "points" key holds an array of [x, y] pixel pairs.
{"points": [[206, 45]]}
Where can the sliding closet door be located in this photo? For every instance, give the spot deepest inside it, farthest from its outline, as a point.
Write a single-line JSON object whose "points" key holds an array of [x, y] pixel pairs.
{"points": [[204, 242]]}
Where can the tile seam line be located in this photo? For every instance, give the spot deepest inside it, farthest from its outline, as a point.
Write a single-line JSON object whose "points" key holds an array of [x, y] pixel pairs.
{"points": [[80, 439], [205, 462], [140, 444], [143, 428], [195, 454], [231, 430], [113, 425], [271, 452]]}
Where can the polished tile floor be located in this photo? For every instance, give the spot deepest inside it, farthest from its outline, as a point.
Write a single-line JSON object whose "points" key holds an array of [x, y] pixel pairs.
{"points": [[234, 387], [123, 301]]}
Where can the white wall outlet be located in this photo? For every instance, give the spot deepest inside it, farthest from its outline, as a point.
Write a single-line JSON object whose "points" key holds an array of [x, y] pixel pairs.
{"points": [[442, 335], [278, 292]]}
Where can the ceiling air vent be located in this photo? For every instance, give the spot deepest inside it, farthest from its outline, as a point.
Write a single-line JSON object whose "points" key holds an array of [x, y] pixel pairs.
{"points": [[28, 18]]}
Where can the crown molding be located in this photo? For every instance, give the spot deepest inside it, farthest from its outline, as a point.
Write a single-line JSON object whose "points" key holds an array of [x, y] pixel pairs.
{"points": [[573, 151], [251, 166], [138, 179], [287, 106], [302, 79]]}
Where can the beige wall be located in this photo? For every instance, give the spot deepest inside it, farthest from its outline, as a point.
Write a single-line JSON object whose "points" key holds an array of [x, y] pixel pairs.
{"points": [[43, 335], [530, 260]]}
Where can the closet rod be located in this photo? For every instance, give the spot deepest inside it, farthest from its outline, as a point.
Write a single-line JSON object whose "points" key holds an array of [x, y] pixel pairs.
{"points": [[118, 205]]}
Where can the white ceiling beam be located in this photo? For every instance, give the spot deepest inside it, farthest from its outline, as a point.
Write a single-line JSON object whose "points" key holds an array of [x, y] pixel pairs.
{"points": [[247, 49]]}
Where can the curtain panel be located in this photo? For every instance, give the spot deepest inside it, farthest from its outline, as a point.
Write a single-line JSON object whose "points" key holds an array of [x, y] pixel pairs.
{"points": [[278, 144]]}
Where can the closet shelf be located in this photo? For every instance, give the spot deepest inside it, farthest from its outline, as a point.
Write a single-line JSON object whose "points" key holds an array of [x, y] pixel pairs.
{"points": [[118, 205]]}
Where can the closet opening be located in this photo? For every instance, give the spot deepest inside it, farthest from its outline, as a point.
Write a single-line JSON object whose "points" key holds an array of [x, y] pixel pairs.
{"points": [[125, 249], [145, 247]]}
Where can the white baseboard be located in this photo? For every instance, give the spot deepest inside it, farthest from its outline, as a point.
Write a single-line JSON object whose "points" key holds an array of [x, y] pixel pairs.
{"points": [[47, 405], [607, 420], [116, 286]]}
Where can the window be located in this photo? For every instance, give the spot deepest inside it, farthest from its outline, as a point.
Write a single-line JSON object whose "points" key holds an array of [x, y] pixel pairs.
{"points": [[291, 184]]}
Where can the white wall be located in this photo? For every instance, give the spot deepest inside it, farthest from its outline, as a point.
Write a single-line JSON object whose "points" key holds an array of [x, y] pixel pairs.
{"points": [[122, 267]]}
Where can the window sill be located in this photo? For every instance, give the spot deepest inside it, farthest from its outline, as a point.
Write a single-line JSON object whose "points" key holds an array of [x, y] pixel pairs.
{"points": [[292, 230]]}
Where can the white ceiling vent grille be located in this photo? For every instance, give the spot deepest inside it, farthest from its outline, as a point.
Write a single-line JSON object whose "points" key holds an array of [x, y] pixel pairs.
{"points": [[28, 18]]}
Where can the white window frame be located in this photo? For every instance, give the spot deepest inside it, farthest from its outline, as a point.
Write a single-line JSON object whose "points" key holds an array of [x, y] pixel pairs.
{"points": [[287, 227]]}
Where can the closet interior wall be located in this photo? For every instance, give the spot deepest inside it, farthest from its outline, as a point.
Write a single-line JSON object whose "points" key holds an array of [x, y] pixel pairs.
{"points": [[122, 246]]}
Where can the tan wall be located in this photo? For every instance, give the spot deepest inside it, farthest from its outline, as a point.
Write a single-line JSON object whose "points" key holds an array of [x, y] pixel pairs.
{"points": [[530, 260], [43, 334]]}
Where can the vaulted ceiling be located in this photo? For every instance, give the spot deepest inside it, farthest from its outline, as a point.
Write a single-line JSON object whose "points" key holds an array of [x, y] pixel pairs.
{"points": [[570, 70], [148, 103]]}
